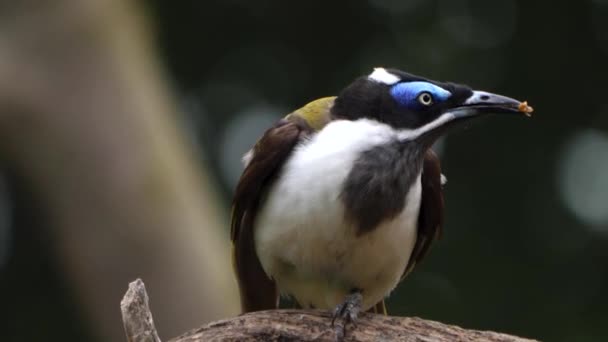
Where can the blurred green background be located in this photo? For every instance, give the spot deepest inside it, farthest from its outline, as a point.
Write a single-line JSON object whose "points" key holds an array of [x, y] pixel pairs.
{"points": [[525, 246]]}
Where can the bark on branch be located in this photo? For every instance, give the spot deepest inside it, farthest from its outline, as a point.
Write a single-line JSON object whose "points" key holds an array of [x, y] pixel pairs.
{"points": [[299, 325]]}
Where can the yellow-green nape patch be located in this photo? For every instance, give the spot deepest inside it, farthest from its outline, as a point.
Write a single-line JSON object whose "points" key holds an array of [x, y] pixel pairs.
{"points": [[316, 113]]}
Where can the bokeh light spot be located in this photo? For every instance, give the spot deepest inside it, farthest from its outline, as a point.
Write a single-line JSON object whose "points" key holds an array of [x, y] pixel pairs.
{"points": [[478, 23], [583, 178], [240, 135]]}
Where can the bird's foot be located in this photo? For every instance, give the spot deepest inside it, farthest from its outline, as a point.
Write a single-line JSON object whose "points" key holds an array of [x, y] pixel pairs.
{"points": [[345, 313]]}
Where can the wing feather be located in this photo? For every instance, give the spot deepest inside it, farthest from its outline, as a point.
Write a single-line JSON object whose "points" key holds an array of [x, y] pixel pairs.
{"points": [[430, 218], [258, 291]]}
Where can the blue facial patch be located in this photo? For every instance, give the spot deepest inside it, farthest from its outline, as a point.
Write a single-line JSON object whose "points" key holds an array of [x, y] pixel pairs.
{"points": [[406, 93]]}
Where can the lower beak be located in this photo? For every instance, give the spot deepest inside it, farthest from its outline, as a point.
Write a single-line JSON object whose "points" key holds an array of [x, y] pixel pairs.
{"points": [[481, 102]]}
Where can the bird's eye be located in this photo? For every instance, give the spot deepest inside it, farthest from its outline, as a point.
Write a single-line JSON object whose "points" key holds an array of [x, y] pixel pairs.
{"points": [[425, 98]]}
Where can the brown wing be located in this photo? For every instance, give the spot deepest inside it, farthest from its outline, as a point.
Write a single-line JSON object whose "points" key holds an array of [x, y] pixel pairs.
{"points": [[430, 218], [258, 291]]}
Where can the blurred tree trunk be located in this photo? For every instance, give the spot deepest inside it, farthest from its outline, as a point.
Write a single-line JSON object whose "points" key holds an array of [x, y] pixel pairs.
{"points": [[86, 120]]}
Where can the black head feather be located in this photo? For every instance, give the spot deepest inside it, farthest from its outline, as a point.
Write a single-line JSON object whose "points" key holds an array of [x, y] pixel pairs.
{"points": [[370, 98]]}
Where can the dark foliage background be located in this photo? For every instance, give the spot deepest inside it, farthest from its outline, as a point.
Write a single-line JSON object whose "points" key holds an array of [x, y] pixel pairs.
{"points": [[525, 247]]}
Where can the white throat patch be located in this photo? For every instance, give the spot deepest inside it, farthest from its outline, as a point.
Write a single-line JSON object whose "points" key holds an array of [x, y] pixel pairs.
{"points": [[411, 134], [380, 75]]}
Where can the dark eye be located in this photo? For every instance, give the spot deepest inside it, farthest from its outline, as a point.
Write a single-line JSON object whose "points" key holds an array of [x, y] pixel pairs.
{"points": [[425, 98]]}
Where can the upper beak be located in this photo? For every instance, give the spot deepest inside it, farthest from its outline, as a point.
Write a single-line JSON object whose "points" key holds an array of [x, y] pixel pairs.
{"points": [[481, 102]]}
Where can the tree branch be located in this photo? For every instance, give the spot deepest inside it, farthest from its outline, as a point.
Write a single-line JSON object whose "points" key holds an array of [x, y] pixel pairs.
{"points": [[137, 318], [302, 325]]}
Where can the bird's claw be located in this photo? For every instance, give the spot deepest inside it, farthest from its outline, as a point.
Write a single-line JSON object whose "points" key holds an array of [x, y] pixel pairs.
{"points": [[345, 313]]}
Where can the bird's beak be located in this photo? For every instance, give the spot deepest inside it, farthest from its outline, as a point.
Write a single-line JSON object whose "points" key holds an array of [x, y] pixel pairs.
{"points": [[481, 102]]}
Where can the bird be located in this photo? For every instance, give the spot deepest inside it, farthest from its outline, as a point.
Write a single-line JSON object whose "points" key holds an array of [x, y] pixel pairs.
{"points": [[343, 197]]}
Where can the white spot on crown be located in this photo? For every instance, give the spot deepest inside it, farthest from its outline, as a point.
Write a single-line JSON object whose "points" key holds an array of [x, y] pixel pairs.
{"points": [[382, 76]]}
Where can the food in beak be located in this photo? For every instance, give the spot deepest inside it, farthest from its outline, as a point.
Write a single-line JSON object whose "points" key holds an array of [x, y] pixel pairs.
{"points": [[524, 108]]}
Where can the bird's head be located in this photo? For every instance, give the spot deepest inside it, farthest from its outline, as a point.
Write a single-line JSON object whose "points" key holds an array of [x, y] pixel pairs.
{"points": [[420, 109]]}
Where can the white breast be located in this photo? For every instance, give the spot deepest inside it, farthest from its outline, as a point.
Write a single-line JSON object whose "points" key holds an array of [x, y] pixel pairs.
{"points": [[302, 239]]}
